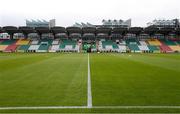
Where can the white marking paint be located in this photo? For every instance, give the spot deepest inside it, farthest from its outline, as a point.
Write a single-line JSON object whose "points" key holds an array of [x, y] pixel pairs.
{"points": [[138, 107], [84, 107], [89, 93], [42, 107]]}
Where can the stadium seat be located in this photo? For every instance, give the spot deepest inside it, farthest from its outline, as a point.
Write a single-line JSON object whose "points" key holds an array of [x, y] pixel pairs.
{"points": [[11, 48], [3, 47], [178, 42], [153, 48], [122, 48], [154, 42], [143, 47], [93, 48], [134, 47], [168, 42], [34, 42], [165, 48], [7, 42], [132, 41], [175, 48], [109, 45], [55, 42], [33, 47], [54, 48], [22, 42], [43, 48], [143, 43], [68, 45], [23, 48]]}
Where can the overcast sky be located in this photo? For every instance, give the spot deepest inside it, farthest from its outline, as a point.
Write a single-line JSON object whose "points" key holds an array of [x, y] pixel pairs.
{"points": [[67, 12]]}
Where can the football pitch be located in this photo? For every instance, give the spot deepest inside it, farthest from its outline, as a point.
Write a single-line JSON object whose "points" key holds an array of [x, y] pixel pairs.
{"points": [[80, 83]]}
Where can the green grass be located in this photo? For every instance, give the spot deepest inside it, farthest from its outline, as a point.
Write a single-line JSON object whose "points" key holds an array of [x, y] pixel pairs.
{"points": [[43, 79], [117, 80], [137, 80]]}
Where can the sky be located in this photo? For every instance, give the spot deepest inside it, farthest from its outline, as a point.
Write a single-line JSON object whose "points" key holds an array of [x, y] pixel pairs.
{"points": [[67, 12]]}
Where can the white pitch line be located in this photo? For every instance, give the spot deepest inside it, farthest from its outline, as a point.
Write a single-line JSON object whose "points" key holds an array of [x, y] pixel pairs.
{"points": [[85, 107], [89, 93], [42, 107], [138, 107]]}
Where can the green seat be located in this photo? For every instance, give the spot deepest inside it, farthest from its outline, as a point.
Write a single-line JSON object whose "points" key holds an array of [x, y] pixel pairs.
{"points": [[49, 41], [67, 42], [7, 42], [115, 46], [133, 47], [43, 47], [168, 42], [62, 46], [133, 40], [24, 47], [178, 42], [153, 48]]}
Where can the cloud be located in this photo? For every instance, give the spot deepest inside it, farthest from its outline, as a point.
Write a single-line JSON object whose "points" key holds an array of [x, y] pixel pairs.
{"points": [[66, 12]]}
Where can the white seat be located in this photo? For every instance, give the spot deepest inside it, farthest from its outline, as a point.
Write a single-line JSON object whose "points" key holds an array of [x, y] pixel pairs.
{"points": [[34, 42], [122, 48], [34, 47], [143, 48], [55, 42], [55, 47], [109, 47], [68, 47], [142, 42]]}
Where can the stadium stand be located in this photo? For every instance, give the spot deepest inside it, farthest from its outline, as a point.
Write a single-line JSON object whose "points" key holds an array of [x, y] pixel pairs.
{"points": [[22, 42], [93, 48], [134, 48], [175, 48], [90, 39], [154, 49], [7, 42], [122, 48], [34, 42], [33, 48], [154, 42], [54, 48], [11, 48], [164, 46], [108, 46], [132, 41], [143, 48], [68, 46], [8, 45], [55, 42], [178, 42], [23, 48], [168, 42], [143, 42], [44, 45], [3, 47]]}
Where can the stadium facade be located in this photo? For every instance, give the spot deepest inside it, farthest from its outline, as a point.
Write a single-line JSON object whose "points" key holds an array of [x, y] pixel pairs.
{"points": [[107, 23], [109, 37], [164, 23], [40, 23]]}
